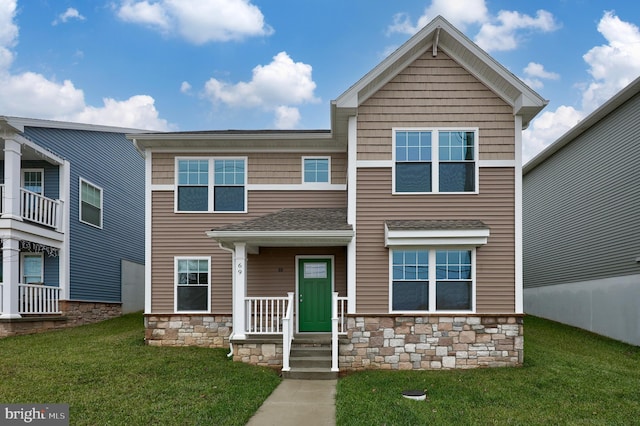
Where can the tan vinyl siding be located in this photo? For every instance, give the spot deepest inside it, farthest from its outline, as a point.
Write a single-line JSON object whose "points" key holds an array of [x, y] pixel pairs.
{"points": [[272, 273], [183, 234], [435, 92], [263, 168], [495, 262]]}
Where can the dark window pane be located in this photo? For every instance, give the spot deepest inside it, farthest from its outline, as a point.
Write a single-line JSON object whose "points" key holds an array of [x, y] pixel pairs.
{"points": [[453, 295], [413, 177], [228, 198], [457, 177], [90, 214], [192, 298], [193, 199], [410, 296]]}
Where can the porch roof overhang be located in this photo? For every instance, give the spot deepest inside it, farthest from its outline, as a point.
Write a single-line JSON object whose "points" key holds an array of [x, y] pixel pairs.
{"points": [[435, 232], [288, 228]]}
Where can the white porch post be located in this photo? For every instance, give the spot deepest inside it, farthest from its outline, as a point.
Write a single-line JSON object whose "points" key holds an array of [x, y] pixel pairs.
{"points": [[11, 278], [12, 158], [239, 290]]}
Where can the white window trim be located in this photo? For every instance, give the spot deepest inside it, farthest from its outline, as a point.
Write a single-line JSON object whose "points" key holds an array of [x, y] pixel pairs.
{"points": [[432, 280], [435, 160], [210, 184], [23, 171], [81, 180], [175, 283], [316, 184], [22, 256]]}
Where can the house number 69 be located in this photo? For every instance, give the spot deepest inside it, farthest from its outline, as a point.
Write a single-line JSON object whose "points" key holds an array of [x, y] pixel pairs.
{"points": [[239, 268]]}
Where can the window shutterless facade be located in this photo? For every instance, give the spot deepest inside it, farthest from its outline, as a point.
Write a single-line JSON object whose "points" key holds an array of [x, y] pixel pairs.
{"points": [[432, 280], [90, 204], [32, 268], [211, 184], [192, 284], [435, 161]]}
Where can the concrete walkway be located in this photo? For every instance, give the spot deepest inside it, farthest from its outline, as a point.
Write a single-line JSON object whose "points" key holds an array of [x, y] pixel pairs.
{"points": [[299, 402]]}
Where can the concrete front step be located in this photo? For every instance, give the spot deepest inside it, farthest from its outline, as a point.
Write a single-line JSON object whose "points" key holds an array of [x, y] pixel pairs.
{"points": [[310, 362], [310, 351], [306, 373]]}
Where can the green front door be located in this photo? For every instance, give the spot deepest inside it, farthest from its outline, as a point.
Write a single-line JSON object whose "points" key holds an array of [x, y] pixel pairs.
{"points": [[314, 294]]}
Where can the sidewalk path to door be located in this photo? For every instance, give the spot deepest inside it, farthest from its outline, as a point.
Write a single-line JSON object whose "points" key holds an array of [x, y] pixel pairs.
{"points": [[299, 402]]}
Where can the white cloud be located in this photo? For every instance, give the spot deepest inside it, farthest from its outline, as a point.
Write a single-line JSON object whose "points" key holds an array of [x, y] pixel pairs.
{"points": [[49, 99], [535, 73], [68, 14], [546, 128], [505, 33], [612, 66], [500, 32], [274, 86], [185, 87], [198, 21], [286, 117]]}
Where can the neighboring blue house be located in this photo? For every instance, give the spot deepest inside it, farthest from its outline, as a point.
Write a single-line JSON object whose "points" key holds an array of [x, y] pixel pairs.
{"points": [[71, 223]]}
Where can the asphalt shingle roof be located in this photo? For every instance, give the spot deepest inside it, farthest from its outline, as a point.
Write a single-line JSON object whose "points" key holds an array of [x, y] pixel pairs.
{"points": [[294, 220], [434, 225]]}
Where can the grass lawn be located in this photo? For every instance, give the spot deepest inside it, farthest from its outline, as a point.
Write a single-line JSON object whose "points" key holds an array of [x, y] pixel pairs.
{"points": [[569, 377], [108, 376]]}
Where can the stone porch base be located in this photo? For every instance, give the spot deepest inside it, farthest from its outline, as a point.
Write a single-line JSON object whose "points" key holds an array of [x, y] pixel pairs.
{"points": [[210, 331], [373, 342], [73, 314]]}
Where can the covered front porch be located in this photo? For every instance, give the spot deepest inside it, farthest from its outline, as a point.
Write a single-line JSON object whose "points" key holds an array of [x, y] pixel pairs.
{"points": [[289, 279]]}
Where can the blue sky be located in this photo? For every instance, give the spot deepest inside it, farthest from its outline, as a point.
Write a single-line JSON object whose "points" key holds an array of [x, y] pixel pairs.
{"points": [[265, 64]]}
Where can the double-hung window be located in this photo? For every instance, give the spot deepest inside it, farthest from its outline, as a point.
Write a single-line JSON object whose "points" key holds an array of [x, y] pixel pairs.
{"points": [[192, 284], [431, 280], [435, 160], [32, 268], [90, 204], [211, 184]]}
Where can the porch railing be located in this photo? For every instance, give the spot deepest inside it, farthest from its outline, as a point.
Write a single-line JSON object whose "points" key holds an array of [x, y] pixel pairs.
{"points": [[39, 209], [1, 301], [342, 314], [287, 333], [36, 208], [38, 299], [265, 314]]}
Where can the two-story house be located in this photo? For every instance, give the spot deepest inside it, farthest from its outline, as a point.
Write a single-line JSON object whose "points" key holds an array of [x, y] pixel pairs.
{"points": [[394, 237], [71, 223]]}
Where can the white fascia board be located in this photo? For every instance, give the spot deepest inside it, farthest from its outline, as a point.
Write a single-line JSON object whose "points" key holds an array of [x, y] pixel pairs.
{"points": [[470, 237]]}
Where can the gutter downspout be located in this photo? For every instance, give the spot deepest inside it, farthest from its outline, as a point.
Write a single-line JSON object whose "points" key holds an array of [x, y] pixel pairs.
{"points": [[233, 253]]}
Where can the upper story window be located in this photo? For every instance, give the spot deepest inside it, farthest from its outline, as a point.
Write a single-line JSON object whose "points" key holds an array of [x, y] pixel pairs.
{"points": [[211, 184], [32, 180], [435, 161], [90, 204], [316, 170]]}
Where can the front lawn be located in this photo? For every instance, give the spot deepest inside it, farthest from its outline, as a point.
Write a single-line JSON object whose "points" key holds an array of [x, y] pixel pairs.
{"points": [[569, 377], [108, 376]]}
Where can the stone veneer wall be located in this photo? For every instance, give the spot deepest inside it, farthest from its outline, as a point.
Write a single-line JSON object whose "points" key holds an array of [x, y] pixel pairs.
{"points": [[211, 331], [261, 352], [73, 314], [431, 342]]}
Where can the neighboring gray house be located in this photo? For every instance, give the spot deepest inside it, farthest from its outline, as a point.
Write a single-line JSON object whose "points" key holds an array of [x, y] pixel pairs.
{"points": [[581, 220], [71, 223]]}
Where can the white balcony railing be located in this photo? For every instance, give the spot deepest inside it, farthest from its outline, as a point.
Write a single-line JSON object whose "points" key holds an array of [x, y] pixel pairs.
{"points": [[265, 314], [38, 299], [342, 314], [39, 209]]}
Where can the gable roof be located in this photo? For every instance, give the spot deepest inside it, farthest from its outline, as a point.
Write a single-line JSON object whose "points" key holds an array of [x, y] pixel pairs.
{"points": [[605, 109], [439, 34]]}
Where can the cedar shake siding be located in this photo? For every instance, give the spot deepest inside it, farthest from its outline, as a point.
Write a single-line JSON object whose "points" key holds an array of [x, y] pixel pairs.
{"points": [[435, 92], [494, 206], [183, 234]]}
